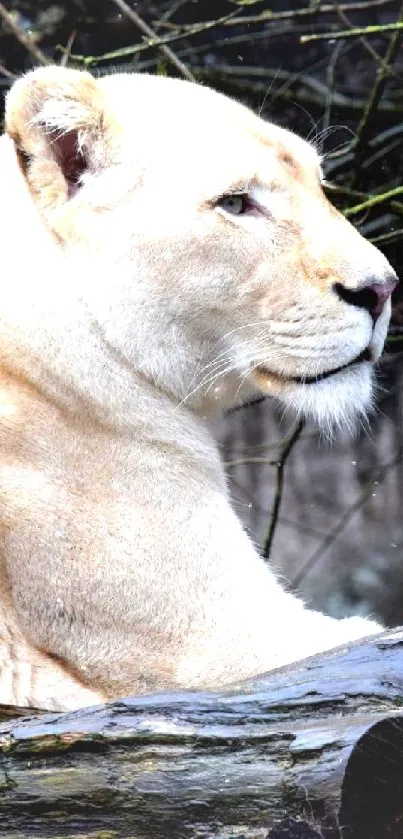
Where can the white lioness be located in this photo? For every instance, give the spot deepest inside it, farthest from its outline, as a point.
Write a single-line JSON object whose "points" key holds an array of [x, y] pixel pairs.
{"points": [[165, 253]]}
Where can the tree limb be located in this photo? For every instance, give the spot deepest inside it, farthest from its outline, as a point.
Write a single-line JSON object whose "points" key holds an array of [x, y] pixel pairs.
{"points": [[313, 745], [146, 29], [281, 462], [22, 37]]}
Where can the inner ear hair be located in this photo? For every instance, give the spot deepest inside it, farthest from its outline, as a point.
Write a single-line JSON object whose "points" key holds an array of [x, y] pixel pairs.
{"points": [[70, 157]]}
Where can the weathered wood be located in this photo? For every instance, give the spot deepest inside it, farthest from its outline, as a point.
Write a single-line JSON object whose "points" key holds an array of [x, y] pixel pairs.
{"points": [[299, 753]]}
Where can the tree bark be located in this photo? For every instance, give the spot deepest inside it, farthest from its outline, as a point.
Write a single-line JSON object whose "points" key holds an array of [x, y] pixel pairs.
{"points": [[312, 750]]}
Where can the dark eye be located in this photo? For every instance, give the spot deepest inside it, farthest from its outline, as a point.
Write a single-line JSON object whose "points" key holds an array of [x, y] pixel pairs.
{"points": [[236, 204]]}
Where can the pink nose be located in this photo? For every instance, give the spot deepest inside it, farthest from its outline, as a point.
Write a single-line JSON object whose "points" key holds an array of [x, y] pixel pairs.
{"points": [[371, 297]]}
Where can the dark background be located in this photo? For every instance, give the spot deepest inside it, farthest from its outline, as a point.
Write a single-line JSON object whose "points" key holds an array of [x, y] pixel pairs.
{"points": [[338, 534]]}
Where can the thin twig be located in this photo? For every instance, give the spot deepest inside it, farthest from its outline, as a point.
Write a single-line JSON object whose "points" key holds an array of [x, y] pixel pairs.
{"points": [[248, 461], [308, 11], [330, 80], [146, 29], [7, 73], [374, 97], [21, 36], [339, 189], [379, 29], [363, 41], [373, 201], [281, 462], [274, 74], [387, 238], [172, 10], [302, 96], [155, 41], [341, 524], [67, 50], [245, 452], [380, 154]]}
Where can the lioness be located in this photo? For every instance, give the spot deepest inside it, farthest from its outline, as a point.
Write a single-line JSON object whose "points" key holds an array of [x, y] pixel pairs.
{"points": [[165, 255]]}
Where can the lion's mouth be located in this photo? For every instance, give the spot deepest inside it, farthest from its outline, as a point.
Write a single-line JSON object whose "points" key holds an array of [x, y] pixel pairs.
{"points": [[264, 373]]}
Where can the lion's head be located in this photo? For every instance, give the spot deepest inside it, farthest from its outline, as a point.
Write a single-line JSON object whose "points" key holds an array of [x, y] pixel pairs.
{"points": [[201, 241]]}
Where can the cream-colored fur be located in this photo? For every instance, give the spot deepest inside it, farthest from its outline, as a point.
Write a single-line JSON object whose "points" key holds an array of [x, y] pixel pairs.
{"points": [[136, 304]]}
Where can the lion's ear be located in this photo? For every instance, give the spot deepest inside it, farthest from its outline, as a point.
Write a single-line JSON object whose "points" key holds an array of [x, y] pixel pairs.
{"points": [[56, 117]]}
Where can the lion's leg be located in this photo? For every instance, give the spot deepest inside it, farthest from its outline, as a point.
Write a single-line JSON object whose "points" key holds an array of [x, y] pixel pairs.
{"points": [[31, 678]]}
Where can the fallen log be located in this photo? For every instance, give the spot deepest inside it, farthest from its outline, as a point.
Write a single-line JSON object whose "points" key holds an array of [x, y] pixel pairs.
{"points": [[312, 750]]}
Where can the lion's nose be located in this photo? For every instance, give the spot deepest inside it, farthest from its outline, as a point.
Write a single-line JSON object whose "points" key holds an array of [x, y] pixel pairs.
{"points": [[371, 297]]}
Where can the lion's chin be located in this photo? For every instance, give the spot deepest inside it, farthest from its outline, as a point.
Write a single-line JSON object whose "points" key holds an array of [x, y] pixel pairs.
{"points": [[338, 399], [267, 380]]}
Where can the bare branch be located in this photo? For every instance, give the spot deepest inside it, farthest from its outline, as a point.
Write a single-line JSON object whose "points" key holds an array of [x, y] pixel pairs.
{"points": [[341, 524], [281, 462], [7, 73], [21, 36], [373, 201], [375, 95], [386, 239], [134, 49], [380, 29], [67, 51], [146, 29], [308, 11]]}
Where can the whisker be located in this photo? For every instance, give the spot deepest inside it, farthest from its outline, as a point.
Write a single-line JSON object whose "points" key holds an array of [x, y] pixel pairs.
{"points": [[207, 380], [221, 340]]}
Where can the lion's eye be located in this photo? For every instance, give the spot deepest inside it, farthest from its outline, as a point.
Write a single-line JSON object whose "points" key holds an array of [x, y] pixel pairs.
{"points": [[236, 204]]}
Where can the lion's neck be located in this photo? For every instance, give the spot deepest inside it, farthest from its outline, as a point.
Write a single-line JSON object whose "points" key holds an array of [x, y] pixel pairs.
{"points": [[57, 334]]}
